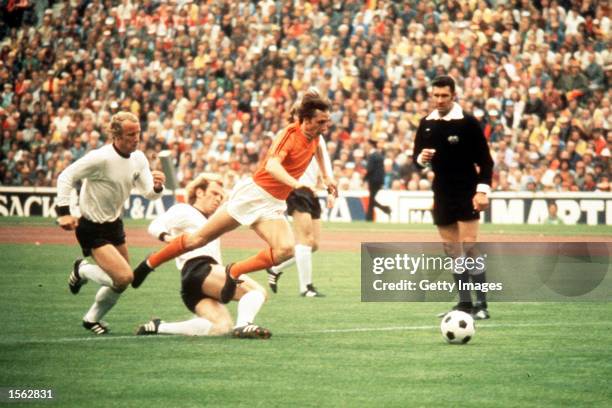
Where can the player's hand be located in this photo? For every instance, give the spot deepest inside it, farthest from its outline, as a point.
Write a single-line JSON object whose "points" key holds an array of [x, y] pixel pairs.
{"points": [[331, 187], [159, 178], [480, 202], [331, 200], [67, 222], [426, 155]]}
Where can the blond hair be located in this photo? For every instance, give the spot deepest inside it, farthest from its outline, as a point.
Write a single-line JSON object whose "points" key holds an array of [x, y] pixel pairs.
{"points": [[116, 123], [202, 182]]}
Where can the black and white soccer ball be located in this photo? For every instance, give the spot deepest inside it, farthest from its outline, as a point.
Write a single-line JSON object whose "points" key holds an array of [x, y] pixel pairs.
{"points": [[457, 327]]}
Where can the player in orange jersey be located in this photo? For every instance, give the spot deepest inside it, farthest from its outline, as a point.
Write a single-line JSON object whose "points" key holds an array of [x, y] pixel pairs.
{"points": [[259, 202]]}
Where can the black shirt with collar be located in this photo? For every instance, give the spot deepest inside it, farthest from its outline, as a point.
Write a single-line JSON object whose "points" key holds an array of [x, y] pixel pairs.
{"points": [[460, 146]]}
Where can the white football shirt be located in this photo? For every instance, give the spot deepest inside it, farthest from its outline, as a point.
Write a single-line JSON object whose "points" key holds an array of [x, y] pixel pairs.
{"points": [[108, 178], [183, 218]]}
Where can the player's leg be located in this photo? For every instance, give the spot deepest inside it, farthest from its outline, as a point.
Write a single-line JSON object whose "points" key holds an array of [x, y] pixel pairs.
{"points": [[211, 319], [218, 224], [276, 271], [304, 207], [307, 233], [278, 235], [468, 234], [372, 190], [304, 241], [449, 233], [111, 267], [91, 235], [250, 296]]}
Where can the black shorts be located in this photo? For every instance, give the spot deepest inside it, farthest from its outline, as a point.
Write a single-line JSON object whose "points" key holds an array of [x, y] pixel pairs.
{"points": [[303, 200], [450, 209], [92, 235], [194, 273]]}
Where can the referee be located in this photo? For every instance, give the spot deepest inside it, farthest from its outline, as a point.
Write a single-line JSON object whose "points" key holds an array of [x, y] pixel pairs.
{"points": [[453, 144]]}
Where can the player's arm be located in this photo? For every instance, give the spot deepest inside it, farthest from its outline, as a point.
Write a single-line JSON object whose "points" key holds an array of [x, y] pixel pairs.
{"points": [[484, 161], [421, 155], [151, 183], [161, 227], [325, 168], [276, 170], [86, 167]]}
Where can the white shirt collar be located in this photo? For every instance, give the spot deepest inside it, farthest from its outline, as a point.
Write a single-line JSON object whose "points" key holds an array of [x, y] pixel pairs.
{"points": [[455, 113]]}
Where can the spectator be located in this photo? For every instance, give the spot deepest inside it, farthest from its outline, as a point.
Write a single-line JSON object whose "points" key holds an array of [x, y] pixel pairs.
{"points": [[553, 217], [191, 75]]}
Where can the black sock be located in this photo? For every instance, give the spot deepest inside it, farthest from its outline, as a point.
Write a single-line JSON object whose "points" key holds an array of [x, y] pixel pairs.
{"points": [[481, 297], [465, 298]]}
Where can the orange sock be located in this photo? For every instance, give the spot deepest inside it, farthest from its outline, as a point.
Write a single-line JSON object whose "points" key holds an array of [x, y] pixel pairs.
{"points": [[262, 260], [174, 248]]}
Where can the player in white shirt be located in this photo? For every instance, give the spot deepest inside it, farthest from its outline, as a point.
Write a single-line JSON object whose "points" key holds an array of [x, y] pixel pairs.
{"points": [[108, 175], [303, 205], [202, 275]]}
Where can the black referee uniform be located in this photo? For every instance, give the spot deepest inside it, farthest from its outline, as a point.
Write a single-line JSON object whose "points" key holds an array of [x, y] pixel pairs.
{"points": [[461, 162]]}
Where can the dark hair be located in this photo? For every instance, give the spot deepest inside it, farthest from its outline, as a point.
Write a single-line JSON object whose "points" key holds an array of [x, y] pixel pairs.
{"points": [[444, 81], [311, 103]]}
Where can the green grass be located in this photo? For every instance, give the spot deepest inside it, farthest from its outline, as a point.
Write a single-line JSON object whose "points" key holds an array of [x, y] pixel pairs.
{"points": [[334, 351], [545, 230]]}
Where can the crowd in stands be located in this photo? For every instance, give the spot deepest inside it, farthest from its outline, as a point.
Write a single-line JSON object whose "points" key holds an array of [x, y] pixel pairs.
{"points": [[213, 81]]}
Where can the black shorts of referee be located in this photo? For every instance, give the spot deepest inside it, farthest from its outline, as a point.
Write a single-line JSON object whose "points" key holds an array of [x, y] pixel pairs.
{"points": [[194, 273], [452, 207], [92, 235], [305, 201]]}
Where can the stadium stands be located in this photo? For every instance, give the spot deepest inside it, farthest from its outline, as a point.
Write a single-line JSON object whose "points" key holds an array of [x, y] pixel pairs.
{"points": [[213, 82]]}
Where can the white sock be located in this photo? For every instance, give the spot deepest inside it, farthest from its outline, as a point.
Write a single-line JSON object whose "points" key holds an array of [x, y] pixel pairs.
{"points": [[105, 300], [94, 273], [303, 260], [283, 266], [198, 326], [248, 306]]}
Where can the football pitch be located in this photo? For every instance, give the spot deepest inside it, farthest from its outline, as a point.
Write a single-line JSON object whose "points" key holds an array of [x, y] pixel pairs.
{"points": [[335, 351]]}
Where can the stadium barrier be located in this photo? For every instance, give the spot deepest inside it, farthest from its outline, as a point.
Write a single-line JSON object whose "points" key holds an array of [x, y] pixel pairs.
{"points": [[591, 208]]}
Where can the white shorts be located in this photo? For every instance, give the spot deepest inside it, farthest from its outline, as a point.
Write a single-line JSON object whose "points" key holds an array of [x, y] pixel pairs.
{"points": [[249, 203]]}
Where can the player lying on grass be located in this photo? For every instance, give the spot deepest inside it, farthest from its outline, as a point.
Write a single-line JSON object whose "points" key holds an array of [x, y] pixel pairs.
{"points": [[259, 202], [202, 275]]}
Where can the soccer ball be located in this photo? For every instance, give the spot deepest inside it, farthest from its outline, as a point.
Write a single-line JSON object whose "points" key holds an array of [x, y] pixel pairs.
{"points": [[457, 327]]}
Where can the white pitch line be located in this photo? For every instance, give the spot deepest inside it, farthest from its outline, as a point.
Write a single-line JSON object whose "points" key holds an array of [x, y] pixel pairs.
{"points": [[326, 331], [478, 325]]}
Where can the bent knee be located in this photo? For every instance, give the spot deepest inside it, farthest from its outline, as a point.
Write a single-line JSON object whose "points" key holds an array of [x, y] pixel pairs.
{"points": [[221, 327], [282, 253], [263, 292], [123, 281]]}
